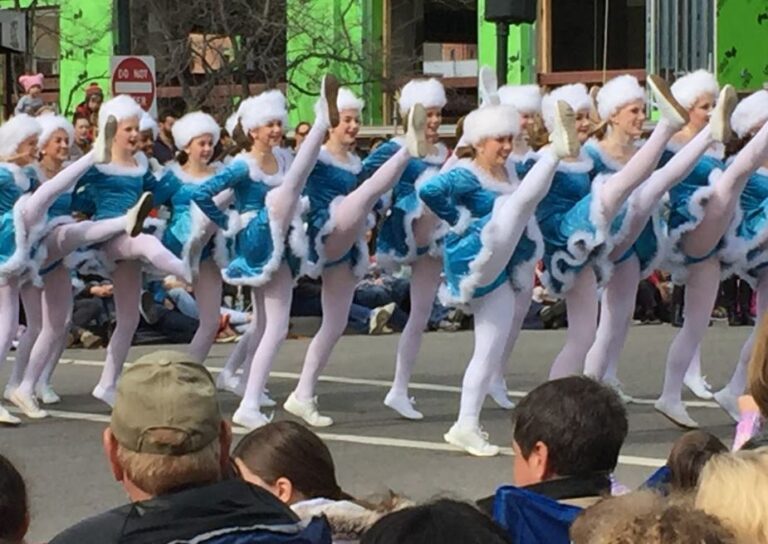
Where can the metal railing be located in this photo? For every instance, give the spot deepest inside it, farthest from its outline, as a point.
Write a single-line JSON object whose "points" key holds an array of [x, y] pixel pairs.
{"points": [[681, 36]]}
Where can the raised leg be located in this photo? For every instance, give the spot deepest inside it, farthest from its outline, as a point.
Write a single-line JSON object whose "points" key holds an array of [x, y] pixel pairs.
{"points": [[67, 238], [148, 248]]}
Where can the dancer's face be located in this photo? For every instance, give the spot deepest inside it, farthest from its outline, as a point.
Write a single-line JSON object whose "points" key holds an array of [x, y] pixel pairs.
{"points": [[526, 122], [127, 136], [494, 151], [57, 146], [200, 149], [583, 125], [434, 120], [699, 112], [26, 152], [270, 134], [629, 119], [345, 133]]}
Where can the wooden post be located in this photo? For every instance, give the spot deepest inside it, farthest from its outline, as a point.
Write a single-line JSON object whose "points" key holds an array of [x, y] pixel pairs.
{"points": [[544, 36]]}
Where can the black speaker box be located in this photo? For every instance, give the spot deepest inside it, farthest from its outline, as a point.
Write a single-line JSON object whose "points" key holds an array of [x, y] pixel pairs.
{"points": [[510, 11]]}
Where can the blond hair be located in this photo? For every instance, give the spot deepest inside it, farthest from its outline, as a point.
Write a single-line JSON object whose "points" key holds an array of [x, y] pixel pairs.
{"points": [[157, 474], [734, 487]]}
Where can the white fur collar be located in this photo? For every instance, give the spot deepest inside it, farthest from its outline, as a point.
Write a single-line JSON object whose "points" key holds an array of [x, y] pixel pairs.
{"points": [[485, 179], [257, 174], [762, 171], [521, 159], [437, 158], [139, 169], [609, 161], [19, 177], [184, 177], [581, 165], [353, 165]]}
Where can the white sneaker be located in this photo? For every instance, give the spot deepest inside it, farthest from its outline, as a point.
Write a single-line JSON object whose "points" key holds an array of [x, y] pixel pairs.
{"points": [[380, 317], [402, 405], [9, 389], [698, 386], [28, 405], [473, 440], [415, 137], [720, 119], [105, 395], [136, 215], [7, 419], [729, 403], [227, 381], [329, 92], [250, 419], [47, 395], [488, 87], [564, 138], [266, 401], [676, 413], [669, 108], [498, 393], [616, 386], [306, 410]]}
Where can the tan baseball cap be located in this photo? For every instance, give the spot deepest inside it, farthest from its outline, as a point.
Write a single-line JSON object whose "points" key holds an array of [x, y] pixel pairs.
{"points": [[164, 390]]}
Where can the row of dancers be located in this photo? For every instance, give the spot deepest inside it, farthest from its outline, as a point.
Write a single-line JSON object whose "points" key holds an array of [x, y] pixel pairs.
{"points": [[600, 212]]}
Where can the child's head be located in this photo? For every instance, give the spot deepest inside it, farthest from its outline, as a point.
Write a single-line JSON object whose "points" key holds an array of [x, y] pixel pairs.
{"points": [[688, 457], [32, 84], [14, 508]]}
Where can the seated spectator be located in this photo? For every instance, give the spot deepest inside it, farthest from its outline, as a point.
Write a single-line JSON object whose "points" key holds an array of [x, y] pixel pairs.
{"points": [[14, 507], [567, 437], [688, 456], [294, 464], [645, 517], [168, 446], [733, 488], [443, 521]]}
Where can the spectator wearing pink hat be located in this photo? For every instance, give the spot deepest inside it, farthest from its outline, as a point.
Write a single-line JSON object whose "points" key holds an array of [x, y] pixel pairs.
{"points": [[31, 102]]}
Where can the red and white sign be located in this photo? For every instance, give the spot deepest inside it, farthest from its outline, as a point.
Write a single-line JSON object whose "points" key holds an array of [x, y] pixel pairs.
{"points": [[135, 76]]}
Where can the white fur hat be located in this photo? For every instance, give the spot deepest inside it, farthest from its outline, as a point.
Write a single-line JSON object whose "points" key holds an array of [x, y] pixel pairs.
{"points": [[50, 123], [430, 93], [688, 88], [574, 94], [752, 112], [525, 98], [346, 100], [616, 93], [259, 110], [193, 125], [120, 107], [147, 123], [231, 123], [491, 122], [14, 131]]}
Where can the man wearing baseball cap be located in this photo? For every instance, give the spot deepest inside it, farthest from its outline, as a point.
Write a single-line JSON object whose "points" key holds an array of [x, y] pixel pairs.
{"points": [[168, 446]]}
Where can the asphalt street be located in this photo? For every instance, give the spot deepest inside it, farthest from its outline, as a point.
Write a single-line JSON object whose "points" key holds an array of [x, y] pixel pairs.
{"points": [[374, 450]]}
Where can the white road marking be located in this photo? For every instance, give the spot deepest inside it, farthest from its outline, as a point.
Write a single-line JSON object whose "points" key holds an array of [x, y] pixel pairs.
{"points": [[384, 383], [631, 460]]}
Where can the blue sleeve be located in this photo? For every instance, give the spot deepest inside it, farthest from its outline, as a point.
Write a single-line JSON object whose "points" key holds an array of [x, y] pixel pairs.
{"points": [[162, 189], [442, 194], [377, 157], [227, 178]]}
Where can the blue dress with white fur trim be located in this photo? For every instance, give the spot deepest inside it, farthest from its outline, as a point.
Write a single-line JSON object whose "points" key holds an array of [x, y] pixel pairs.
{"points": [[647, 247], [260, 245], [395, 243], [686, 208], [186, 222], [573, 226], [745, 242], [464, 197], [15, 183], [330, 181]]}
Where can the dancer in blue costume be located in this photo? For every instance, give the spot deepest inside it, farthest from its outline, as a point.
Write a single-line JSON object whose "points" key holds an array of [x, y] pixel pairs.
{"points": [[270, 240], [337, 223], [106, 192], [639, 234], [47, 301], [189, 234], [702, 208], [576, 219], [410, 234], [23, 214], [486, 257], [745, 243]]}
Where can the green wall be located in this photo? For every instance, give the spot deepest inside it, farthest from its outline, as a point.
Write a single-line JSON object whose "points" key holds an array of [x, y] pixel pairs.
{"points": [[521, 56], [742, 42]]}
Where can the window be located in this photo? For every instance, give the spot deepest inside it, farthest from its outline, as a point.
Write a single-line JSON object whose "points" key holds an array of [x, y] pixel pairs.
{"points": [[45, 40]]}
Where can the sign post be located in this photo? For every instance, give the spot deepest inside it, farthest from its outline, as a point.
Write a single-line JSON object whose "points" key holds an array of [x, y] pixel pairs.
{"points": [[135, 76]]}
